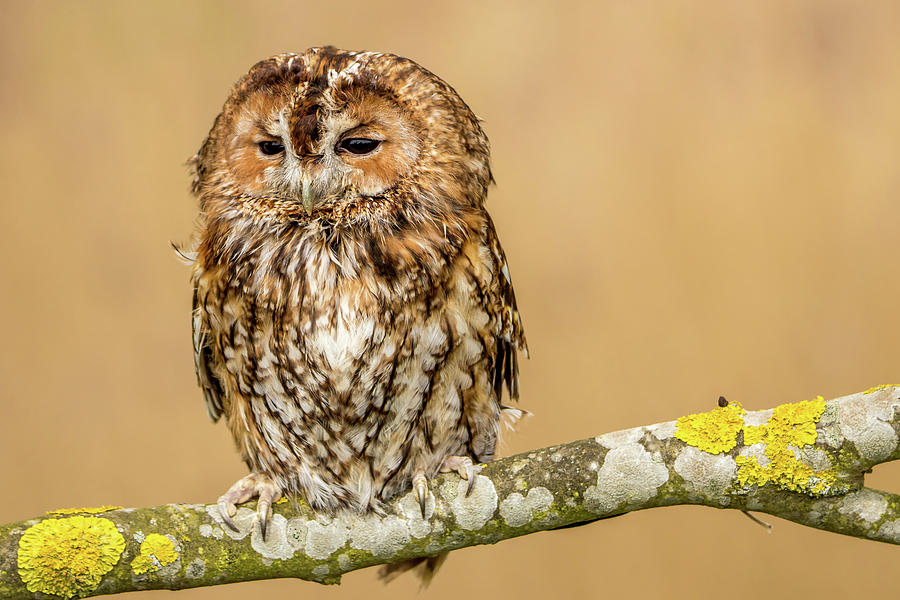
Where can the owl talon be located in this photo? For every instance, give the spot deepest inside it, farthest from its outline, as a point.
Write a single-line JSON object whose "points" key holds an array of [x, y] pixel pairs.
{"points": [[262, 526], [254, 484], [224, 509], [420, 485], [464, 467], [264, 507]]}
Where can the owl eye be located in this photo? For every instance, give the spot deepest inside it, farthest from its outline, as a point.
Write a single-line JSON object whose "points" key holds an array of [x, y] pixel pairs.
{"points": [[358, 145], [269, 148]]}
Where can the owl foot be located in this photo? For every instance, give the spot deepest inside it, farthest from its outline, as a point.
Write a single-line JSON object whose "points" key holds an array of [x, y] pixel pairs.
{"points": [[254, 484], [464, 467]]}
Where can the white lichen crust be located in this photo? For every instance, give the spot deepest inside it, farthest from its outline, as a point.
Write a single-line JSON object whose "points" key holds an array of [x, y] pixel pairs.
{"points": [[629, 476], [867, 421], [383, 537], [517, 510], [324, 539], [865, 504], [472, 511], [708, 475]]}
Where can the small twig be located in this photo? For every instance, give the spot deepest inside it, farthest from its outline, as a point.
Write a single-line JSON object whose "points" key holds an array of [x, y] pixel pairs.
{"points": [[758, 521]]}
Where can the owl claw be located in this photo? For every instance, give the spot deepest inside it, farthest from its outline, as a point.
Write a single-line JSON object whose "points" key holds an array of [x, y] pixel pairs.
{"points": [[254, 484], [267, 496], [464, 467], [420, 485], [262, 525], [223, 512]]}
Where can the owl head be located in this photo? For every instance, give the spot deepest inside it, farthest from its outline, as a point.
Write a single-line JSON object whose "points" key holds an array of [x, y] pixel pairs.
{"points": [[345, 137]]}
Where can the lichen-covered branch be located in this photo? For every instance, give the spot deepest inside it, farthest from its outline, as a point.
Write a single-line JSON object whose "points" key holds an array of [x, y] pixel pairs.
{"points": [[803, 461]]}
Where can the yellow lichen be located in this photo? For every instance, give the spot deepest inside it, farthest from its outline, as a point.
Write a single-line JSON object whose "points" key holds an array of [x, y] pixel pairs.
{"points": [[157, 551], [791, 426], [878, 388], [68, 557], [714, 431], [88, 510]]}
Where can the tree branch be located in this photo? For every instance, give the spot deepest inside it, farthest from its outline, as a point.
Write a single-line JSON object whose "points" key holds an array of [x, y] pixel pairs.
{"points": [[804, 462]]}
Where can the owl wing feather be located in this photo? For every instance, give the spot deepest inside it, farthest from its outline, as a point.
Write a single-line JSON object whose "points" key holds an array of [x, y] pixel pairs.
{"points": [[203, 357], [510, 333]]}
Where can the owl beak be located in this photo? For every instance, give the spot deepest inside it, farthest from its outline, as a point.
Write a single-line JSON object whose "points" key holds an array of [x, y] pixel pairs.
{"points": [[307, 195]]}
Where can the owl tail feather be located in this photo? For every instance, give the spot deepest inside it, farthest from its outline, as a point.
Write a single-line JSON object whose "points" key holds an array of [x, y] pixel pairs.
{"points": [[426, 568]]}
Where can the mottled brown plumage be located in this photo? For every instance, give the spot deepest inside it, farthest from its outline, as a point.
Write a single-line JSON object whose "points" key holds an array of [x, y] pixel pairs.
{"points": [[354, 319]]}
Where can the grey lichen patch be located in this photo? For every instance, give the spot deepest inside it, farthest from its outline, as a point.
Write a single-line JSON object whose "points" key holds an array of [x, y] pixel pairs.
{"points": [[321, 570], [828, 427], [276, 545], [323, 539], [814, 457], [474, 510], [663, 431], [382, 536], [409, 507], [865, 504], [704, 473], [620, 438], [449, 490], [517, 510], [344, 561], [890, 530], [514, 511], [295, 532], [629, 475], [207, 530], [877, 443], [195, 569], [865, 422], [757, 451], [757, 418]]}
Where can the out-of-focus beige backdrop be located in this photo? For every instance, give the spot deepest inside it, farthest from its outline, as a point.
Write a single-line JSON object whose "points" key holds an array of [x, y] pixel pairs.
{"points": [[696, 198]]}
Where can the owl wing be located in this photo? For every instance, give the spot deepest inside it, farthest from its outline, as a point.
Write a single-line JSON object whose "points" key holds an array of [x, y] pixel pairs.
{"points": [[510, 333], [203, 357]]}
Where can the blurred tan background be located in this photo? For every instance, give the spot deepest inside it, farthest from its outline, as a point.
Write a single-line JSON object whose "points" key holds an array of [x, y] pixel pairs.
{"points": [[696, 198]]}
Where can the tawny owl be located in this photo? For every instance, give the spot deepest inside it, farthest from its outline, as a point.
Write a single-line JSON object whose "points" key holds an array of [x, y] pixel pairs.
{"points": [[354, 318]]}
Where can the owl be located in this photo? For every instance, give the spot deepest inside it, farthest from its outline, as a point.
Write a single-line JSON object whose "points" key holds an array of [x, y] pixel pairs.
{"points": [[354, 319]]}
